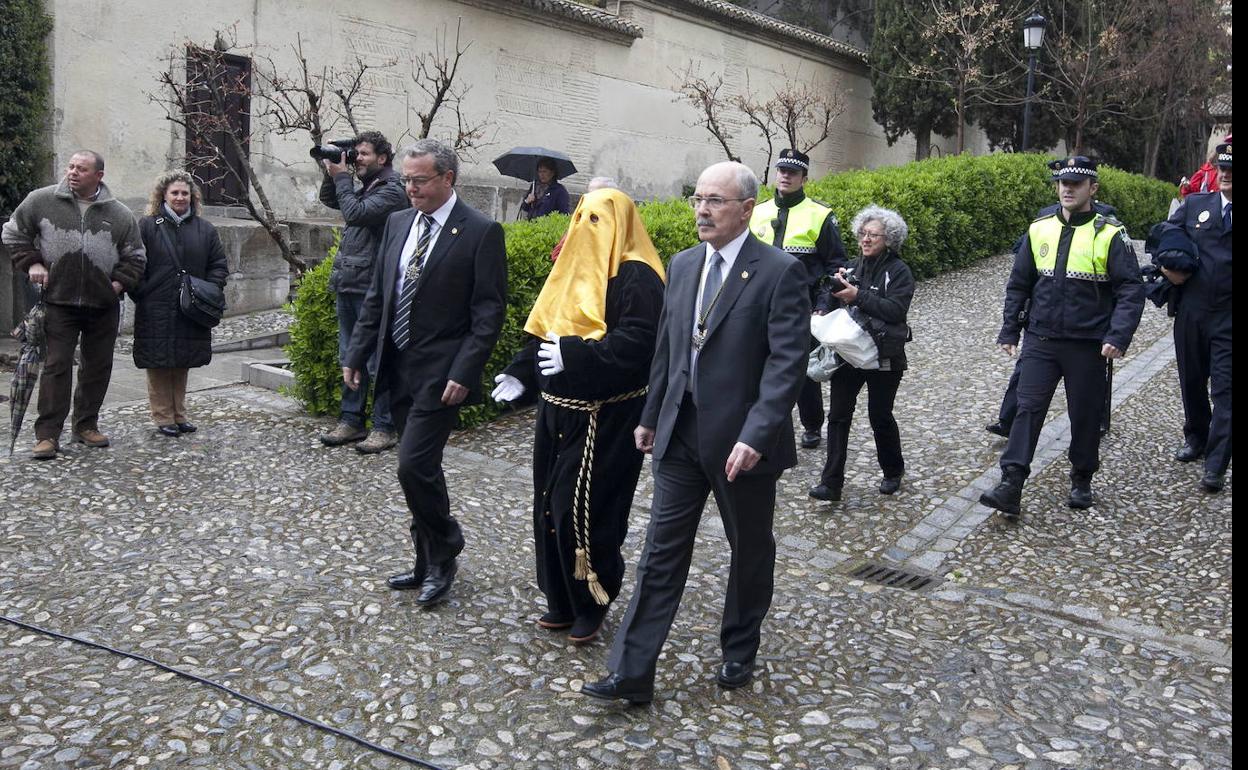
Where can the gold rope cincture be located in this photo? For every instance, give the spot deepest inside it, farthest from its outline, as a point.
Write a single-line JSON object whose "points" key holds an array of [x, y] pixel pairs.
{"points": [[583, 569]]}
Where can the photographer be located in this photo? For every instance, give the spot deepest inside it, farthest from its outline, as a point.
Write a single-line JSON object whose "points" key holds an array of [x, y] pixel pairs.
{"points": [[879, 295], [364, 209]]}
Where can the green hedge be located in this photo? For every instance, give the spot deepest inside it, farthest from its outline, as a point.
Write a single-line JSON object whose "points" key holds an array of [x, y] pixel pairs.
{"points": [[313, 348], [960, 209], [24, 28]]}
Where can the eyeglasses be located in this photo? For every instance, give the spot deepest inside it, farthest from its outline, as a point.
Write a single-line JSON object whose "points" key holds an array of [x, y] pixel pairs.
{"points": [[867, 235], [712, 202], [418, 181]]}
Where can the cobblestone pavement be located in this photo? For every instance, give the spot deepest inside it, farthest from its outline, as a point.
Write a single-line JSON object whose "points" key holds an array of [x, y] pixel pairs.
{"points": [[252, 555]]}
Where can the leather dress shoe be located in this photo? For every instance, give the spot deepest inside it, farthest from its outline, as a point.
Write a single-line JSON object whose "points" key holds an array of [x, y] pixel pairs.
{"points": [[1189, 453], [1213, 482], [733, 675], [826, 493], [810, 439], [168, 430], [998, 428], [406, 581], [616, 687], [890, 485], [437, 583], [186, 427]]}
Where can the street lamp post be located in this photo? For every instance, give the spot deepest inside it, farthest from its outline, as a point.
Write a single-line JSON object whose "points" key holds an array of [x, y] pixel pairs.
{"points": [[1033, 38]]}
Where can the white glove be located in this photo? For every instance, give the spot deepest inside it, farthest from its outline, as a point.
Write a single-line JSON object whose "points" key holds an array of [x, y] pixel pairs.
{"points": [[551, 362], [509, 388]]}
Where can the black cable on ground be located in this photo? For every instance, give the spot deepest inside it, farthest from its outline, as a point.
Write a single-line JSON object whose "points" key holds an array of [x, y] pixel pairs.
{"points": [[229, 691]]}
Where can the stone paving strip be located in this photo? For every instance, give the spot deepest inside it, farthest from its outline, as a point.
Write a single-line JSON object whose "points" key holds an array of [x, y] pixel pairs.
{"points": [[929, 543]]}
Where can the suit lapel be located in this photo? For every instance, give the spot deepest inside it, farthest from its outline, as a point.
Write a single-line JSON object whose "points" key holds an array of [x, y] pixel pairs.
{"points": [[734, 283], [450, 234], [394, 253]]}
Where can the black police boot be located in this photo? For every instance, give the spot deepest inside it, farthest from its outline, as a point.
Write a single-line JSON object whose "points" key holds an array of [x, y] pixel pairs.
{"points": [[1080, 491], [998, 428], [1007, 496]]}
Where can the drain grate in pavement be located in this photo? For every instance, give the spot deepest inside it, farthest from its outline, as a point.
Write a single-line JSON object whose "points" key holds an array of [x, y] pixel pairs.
{"points": [[874, 572]]}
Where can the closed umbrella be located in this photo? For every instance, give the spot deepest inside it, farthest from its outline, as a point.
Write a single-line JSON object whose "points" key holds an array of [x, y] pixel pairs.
{"points": [[29, 361]]}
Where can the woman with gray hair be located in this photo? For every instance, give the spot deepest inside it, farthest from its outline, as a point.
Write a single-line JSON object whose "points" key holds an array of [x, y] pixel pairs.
{"points": [[167, 343], [877, 288]]}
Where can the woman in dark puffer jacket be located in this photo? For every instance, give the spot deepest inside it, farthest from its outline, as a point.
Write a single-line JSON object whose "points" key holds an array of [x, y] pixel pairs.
{"points": [[166, 343]]}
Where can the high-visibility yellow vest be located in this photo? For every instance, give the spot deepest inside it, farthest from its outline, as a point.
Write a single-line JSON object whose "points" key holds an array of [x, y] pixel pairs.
{"points": [[801, 227], [1088, 259]]}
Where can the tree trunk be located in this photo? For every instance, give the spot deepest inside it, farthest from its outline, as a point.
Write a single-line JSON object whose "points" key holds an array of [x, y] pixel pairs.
{"points": [[923, 142]]}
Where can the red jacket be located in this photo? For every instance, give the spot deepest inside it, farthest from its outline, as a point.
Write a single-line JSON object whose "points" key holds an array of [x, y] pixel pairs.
{"points": [[1205, 179]]}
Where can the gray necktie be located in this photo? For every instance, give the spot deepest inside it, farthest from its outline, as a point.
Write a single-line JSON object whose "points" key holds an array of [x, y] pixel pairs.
{"points": [[714, 278]]}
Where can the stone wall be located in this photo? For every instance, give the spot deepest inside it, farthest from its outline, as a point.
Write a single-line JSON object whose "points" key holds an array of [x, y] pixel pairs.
{"points": [[601, 85], [598, 85]]}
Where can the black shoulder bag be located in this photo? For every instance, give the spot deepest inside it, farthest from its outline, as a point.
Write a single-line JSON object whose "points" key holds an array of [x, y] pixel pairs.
{"points": [[201, 301]]}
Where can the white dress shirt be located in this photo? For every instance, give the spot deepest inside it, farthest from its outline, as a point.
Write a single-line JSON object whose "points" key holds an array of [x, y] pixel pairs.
{"points": [[439, 218]]}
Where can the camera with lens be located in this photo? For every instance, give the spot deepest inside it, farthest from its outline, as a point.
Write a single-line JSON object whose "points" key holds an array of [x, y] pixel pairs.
{"points": [[836, 284], [334, 150]]}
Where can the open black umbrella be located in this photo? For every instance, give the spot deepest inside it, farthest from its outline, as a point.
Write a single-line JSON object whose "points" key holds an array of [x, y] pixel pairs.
{"points": [[29, 361], [521, 162]]}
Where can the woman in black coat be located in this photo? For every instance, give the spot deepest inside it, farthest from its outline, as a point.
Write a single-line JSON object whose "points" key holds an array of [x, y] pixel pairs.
{"points": [[166, 343], [880, 302]]}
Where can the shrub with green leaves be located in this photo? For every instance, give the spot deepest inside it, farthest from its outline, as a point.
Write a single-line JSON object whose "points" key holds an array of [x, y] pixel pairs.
{"points": [[960, 209], [313, 348], [24, 29]]}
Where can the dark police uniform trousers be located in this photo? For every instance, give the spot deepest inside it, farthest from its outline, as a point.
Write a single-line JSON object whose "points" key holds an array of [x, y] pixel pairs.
{"points": [[1202, 330], [1044, 363]]}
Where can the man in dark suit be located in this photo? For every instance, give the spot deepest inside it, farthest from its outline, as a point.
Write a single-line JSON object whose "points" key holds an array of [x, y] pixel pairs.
{"points": [[435, 307], [728, 365], [1202, 326]]}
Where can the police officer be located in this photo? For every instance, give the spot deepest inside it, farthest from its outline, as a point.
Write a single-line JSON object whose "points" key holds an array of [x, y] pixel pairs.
{"points": [[1009, 401], [1202, 327], [808, 230], [1079, 272]]}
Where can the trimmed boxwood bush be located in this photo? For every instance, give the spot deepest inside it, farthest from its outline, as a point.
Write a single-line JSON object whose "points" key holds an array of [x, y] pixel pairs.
{"points": [[960, 209]]}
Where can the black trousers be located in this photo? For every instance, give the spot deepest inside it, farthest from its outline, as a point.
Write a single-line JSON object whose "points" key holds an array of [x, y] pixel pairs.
{"points": [[1202, 345], [1009, 402], [747, 506], [64, 325], [436, 535], [844, 387], [1043, 364]]}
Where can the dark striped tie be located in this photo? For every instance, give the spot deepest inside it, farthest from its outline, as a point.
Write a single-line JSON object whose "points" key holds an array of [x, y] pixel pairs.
{"points": [[411, 277]]}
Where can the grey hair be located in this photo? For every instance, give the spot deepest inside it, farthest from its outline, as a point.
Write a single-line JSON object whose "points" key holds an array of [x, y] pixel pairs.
{"points": [[444, 158], [747, 180], [895, 228], [602, 183]]}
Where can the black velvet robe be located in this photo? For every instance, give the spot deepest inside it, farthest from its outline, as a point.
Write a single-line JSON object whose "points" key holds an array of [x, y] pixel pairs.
{"points": [[593, 370]]}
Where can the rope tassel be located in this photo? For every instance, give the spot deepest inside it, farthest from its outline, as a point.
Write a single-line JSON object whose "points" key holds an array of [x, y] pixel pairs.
{"points": [[583, 568]]}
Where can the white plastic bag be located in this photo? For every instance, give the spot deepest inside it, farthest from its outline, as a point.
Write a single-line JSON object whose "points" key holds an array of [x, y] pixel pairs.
{"points": [[822, 363], [839, 331]]}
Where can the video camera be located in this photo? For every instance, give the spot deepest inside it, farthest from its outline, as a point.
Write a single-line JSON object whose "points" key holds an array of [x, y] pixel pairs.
{"points": [[334, 150]]}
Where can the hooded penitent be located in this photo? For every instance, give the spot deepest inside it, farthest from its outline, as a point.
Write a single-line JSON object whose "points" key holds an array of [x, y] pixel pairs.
{"points": [[606, 231]]}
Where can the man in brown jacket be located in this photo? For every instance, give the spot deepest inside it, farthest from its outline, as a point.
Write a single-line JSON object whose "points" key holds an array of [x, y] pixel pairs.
{"points": [[83, 248]]}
